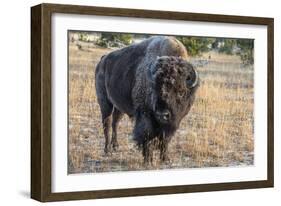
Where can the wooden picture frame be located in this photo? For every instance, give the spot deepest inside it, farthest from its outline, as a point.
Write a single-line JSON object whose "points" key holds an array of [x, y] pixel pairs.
{"points": [[41, 95]]}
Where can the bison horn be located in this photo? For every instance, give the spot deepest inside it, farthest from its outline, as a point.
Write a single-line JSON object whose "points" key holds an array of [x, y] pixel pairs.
{"points": [[196, 79], [193, 80]]}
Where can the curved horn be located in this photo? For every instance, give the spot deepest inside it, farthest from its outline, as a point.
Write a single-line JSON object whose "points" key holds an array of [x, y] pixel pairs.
{"points": [[196, 79]]}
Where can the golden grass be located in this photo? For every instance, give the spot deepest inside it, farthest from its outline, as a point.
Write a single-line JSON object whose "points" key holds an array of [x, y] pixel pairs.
{"points": [[217, 132]]}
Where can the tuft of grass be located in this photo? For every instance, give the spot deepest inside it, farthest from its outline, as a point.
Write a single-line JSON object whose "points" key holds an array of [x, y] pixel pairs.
{"points": [[218, 131]]}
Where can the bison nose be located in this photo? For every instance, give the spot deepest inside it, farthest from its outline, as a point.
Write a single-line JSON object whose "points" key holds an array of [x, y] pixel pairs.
{"points": [[164, 115]]}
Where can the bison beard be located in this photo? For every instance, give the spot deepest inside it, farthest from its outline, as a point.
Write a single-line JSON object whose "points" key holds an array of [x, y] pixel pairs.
{"points": [[151, 82]]}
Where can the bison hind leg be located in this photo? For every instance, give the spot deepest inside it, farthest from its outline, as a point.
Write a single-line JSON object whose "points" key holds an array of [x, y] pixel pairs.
{"points": [[106, 106], [106, 112], [106, 120], [116, 117]]}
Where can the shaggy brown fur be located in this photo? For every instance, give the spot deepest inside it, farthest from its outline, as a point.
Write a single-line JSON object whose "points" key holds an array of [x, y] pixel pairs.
{"points": [[152, 82]]}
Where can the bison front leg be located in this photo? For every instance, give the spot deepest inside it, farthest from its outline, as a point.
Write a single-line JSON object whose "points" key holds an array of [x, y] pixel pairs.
{"points": [[163, 146], [143, 135], [147, 152]]}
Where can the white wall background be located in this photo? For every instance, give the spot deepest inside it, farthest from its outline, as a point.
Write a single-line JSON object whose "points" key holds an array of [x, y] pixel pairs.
{"points": [[15, 102]]}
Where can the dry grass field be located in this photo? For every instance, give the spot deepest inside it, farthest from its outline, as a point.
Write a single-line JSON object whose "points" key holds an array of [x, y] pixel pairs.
{"points": [[218, 132]]}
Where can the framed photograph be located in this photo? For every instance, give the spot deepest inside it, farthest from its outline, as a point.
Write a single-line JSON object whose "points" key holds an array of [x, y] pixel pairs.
{"points": [[128, 102]]}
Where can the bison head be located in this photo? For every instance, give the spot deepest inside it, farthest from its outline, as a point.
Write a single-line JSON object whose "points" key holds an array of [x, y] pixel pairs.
{"points": [[173, 82]]}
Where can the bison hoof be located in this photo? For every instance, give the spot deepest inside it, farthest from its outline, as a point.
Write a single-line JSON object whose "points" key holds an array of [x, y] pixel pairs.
{"points": [[148, 164], [165, 160], [107, 150], [114, 146]]}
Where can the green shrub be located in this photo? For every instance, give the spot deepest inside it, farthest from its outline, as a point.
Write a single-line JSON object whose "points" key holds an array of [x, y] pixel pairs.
{"points": [[227, 46], [246, 52], [83, 36], [114, 40], [196, 45]]}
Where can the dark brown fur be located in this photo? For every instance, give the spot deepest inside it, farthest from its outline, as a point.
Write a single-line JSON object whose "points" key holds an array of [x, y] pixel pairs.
{"points": [[151, 82]]}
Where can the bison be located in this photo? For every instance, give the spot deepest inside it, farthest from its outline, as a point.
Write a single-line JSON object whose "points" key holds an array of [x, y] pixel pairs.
{"points": [[153, 83]]}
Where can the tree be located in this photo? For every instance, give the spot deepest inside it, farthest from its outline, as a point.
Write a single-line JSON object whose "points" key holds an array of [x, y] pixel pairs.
{"points": [[246, 52], [115, 40], [242, 47], [196, 45], [226, 46], [83, 36]]}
